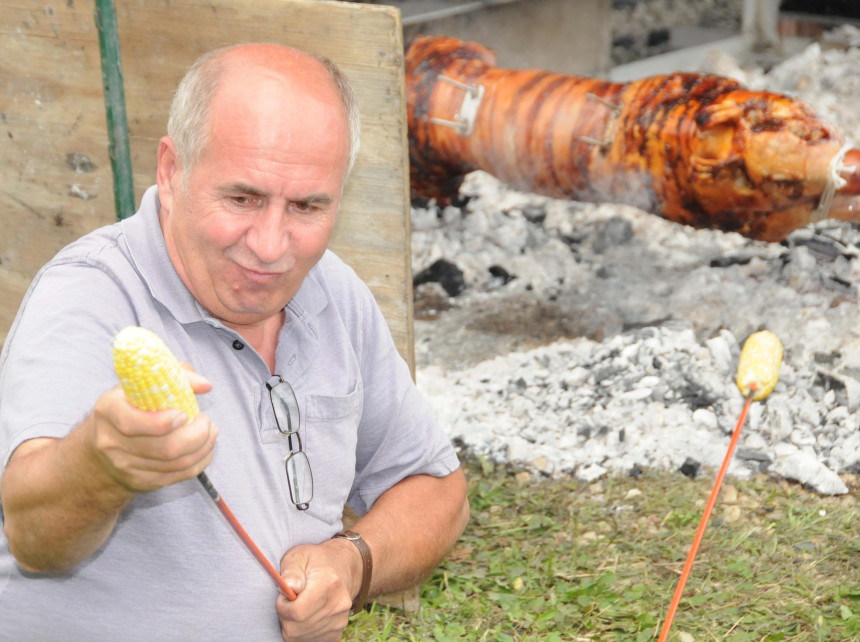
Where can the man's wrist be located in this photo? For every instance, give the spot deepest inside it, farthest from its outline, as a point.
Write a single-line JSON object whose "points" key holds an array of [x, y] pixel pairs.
{"points": [[366, 564]]}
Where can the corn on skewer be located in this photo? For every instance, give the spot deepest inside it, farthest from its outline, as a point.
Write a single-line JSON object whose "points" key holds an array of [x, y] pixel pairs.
{"points": [[150, 375], [152, 379], [758, 370], [758, 366]]}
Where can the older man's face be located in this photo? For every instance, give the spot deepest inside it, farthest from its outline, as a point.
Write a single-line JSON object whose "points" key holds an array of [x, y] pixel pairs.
{"points": [[263, 199]]}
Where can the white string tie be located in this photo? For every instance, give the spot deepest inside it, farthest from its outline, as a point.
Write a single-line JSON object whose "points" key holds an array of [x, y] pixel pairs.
{"points": [[835, 182]]}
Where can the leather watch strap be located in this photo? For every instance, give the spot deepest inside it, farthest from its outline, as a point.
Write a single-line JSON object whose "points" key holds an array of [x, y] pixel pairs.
{"points": [[367, 568]]}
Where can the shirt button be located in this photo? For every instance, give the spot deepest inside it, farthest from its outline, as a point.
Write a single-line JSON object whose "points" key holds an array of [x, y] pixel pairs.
{"points": [[238, 345]]}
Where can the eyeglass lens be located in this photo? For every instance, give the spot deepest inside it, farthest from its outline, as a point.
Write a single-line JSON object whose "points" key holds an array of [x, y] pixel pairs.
{"points": [[287, 411], [301, 481], [298, 468]]}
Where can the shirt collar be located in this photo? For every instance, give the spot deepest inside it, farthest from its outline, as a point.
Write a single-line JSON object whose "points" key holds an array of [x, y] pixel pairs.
{"points": [[148, 251]]}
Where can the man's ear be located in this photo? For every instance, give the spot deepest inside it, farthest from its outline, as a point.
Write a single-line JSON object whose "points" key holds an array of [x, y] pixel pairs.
{"points": [[168, 173]]}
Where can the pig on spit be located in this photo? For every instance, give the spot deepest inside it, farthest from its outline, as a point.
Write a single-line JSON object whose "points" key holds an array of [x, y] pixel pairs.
{"points": [[697, 149]]}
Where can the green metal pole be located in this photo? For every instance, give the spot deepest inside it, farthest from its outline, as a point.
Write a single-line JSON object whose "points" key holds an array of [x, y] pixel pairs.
{"points": [[117, 124]]}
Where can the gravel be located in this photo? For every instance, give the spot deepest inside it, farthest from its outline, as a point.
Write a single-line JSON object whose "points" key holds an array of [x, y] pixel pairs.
{"points": [[585, 340]]}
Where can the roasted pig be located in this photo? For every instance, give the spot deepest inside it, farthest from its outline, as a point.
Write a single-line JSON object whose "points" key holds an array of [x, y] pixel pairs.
{"points": [[697, 149]]}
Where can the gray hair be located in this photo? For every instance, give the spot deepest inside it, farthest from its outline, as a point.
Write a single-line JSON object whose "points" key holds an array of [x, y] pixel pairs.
{"points": [[189, 111]]}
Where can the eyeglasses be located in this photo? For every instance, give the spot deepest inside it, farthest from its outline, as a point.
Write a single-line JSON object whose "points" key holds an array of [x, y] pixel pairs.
{"points": [[299, 477]]}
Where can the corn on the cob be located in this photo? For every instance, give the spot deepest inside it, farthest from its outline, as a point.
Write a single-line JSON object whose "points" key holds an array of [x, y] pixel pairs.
{"points": [[758, 366], [151, 377]]}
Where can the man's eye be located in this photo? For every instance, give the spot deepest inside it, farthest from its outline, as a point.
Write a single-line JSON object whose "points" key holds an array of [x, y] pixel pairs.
{"points": [[305, 207], [245, 201]]}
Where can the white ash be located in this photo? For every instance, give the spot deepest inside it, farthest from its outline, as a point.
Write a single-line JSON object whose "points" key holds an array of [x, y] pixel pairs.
{"points": [[663, 310]]}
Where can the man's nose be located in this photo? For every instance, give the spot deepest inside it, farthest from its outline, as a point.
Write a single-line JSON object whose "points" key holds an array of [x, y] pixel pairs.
{"points": [[269, 237]]}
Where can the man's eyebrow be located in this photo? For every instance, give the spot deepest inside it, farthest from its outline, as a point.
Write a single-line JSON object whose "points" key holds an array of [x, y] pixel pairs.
{"points": [[315, 199], [241, 188]]}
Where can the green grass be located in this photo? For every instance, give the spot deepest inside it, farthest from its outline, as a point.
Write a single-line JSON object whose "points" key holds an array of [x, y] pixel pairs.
{"points": [[561, 560]]}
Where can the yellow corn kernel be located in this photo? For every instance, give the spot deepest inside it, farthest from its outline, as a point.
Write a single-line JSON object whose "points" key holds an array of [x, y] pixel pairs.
{"points": [[758, 366], [151, 377]]}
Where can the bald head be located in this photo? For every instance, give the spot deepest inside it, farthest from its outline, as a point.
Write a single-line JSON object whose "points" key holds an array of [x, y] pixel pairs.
{"points": [[230, 72]]}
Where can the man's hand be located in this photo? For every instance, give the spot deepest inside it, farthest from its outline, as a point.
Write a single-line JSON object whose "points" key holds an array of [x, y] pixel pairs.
{"points": [[61, 497], [408, 530], [144, 450], [325, 577]]}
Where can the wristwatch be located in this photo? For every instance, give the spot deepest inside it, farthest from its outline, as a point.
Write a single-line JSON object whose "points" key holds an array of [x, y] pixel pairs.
{"points": [[367, 567]]}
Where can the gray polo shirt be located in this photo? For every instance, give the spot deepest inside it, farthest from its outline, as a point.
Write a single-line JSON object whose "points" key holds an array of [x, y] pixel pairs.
{"points": [[173, 569]]}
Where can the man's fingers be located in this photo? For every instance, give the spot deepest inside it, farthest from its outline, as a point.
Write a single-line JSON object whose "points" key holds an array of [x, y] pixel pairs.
{"points": [[144, 450], [142, 474], [178, 449], [199, 384], [115, 411]]}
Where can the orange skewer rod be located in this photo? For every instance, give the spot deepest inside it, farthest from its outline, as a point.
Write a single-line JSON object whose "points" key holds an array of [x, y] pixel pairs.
{"points": [[203, 478], [703, 523], [758, 371]]}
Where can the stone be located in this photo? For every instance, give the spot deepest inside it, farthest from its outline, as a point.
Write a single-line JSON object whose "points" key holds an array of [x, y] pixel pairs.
{"points": [[838, 415], [783, 450], [800, 437], [523, 476], [777, 420], [690, 468], [591, 473], [637, 394], [808, 412], [754, 441], [447, 274], [615, 232], [542, 464], [805, 468], [720, 352], [852, 393], [750, 454], [729, 493], [847, 454], [705, 418], [731, 514]]}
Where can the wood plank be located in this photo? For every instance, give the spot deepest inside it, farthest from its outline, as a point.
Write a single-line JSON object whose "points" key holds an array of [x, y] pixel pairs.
{"points": [[51, 112], [53, 106]]}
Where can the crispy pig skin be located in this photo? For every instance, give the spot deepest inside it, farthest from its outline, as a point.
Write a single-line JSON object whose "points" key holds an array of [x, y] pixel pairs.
{"points": [[697, 149]]}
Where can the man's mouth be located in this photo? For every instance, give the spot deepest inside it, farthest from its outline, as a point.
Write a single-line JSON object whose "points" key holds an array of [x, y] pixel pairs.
{"points": [[260, 276]]}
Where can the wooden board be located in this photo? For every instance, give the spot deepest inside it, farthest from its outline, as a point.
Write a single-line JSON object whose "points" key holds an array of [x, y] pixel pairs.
{"points": [[55, 176], [51, 108]]}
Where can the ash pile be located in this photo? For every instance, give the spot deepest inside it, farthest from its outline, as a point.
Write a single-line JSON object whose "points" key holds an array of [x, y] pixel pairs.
{"points": [[572, 339]]}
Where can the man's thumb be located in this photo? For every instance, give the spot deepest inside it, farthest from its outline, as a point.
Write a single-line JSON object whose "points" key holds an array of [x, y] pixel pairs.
{"points": [[293, 572]]}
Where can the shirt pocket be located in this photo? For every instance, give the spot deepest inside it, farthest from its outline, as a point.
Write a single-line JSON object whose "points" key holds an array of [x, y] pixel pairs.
{"points": [[330, 440]]}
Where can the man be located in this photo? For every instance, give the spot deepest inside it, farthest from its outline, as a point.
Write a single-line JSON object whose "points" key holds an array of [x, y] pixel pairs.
{"points": [[107, 535]]}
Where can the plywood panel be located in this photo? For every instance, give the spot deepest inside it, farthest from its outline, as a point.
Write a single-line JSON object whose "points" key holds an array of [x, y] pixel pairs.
{"points": [[52, 106], [55, 177]]}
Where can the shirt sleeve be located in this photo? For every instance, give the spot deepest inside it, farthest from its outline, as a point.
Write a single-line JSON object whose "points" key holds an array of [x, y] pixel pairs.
{"points": [[57, 358]]}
